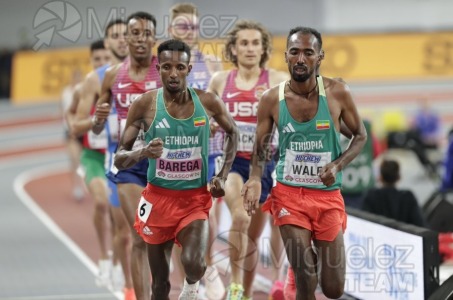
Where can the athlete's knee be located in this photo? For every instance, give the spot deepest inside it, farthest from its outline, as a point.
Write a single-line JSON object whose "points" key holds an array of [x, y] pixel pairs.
{"points": [[124, 229], [194, 264], [240, 220], [99, 193], [124, 237], [138, 243], [333, 287], [333, 290], [101, 206]]}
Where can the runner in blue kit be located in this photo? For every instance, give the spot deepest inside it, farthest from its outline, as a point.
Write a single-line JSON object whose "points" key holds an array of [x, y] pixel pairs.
{"points": [[122, 234], [175, 205], [123, 83], [115, 41]]}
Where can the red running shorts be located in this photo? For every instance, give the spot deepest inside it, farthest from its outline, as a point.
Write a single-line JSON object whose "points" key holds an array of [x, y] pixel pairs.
{"points": [[162, 213], [322, 212]]}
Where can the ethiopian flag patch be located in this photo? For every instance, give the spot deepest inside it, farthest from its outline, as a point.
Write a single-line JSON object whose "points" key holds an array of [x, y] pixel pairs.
{"points": [[200, 121], [322, 124]]}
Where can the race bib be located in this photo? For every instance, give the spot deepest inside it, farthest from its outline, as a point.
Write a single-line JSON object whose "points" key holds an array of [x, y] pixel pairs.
{"points": [[97, 141], [180, 164], [113, 127], [218, 164], [304, 167], [144, 209], [247, 132]]}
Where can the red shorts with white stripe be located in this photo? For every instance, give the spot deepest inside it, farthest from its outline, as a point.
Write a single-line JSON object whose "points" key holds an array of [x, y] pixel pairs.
{"points": [[162, 213], [321, 212]]}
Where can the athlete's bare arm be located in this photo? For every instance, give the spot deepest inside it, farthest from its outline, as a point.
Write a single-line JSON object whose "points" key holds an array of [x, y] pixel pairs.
{"points": [[63, 110], [343, 128], [103, 105], [343, 109], [216, 109], [72, 109], [216, 86], [267, 115], [88, 94], [218, 82], [141, 114]]}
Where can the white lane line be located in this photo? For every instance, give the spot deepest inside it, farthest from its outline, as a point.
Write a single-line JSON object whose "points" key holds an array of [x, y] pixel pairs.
{"points": [[21, 160], [46, 171], [261, 283]]}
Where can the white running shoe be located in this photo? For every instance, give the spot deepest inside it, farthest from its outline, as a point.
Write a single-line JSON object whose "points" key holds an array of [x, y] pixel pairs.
{"points": [[117, 278], [104, 273], [189, 291], [172, 267], [214, 287], [77, 193]]}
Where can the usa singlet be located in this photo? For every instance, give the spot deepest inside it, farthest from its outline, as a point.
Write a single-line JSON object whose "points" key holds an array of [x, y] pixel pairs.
{"points": [[183, 164], [308, 146], [242, 105], [124, 92]]}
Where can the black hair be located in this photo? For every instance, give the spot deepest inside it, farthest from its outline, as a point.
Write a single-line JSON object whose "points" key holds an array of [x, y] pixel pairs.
{"points": [[97, 45], [173, 45], [111, 24], [142, 15], [390, 171], [305, 30]]}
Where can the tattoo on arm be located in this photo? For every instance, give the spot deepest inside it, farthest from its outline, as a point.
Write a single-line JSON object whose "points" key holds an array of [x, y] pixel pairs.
{"points": [[262, 155]]}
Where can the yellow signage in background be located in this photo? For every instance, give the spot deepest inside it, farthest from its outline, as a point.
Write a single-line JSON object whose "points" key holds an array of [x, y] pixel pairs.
{"points": [[41, 76], [370, 57], [381, 56]]}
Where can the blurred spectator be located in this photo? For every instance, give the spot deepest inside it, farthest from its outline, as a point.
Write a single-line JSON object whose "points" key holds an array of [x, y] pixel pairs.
{"points": [[358, 175], [6, 58], [438, 208], [388, 201], [421, 135], [447, 178], [426, 124]]}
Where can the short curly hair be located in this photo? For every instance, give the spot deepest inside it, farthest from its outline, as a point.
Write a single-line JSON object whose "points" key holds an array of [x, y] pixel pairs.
{"points": [[266, 40], [390, 171]]}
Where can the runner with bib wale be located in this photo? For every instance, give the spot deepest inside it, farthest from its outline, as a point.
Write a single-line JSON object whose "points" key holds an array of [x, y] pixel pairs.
{"points": [[306, 202]]}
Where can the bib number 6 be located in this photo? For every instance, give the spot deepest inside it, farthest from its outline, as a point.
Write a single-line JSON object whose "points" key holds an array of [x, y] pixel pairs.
{"points": [[144, 209]]}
